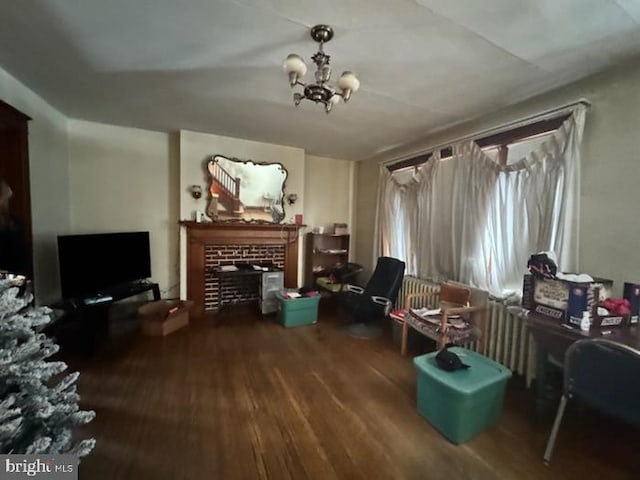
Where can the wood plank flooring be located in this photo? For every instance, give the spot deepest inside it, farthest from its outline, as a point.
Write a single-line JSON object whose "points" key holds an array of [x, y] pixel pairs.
{"points": [[241, 397]]}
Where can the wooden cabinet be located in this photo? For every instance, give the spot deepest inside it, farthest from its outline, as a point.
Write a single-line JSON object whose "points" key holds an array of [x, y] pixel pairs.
{"points": [[323, 252]]}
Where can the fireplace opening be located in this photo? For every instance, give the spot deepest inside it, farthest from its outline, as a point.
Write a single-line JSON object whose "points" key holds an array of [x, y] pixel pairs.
{"points": [[221, 289]]}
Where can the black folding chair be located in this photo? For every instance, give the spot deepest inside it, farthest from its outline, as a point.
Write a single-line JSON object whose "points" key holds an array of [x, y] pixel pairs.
{"points": [[604, 375]]}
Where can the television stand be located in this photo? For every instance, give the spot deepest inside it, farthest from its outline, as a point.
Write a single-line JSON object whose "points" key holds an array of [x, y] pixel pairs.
{"points": [[88, 317], [132, 289]]}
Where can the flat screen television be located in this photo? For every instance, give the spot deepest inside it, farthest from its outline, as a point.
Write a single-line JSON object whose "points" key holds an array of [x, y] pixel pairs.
{"points": [[91, 264]]}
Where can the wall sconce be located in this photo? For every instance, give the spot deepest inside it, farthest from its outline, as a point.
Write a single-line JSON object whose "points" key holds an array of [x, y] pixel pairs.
{"points": [[196, 191], [291, 198]]}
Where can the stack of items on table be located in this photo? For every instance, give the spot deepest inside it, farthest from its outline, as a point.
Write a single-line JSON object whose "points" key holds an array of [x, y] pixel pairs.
{"points": [[577, 299]]}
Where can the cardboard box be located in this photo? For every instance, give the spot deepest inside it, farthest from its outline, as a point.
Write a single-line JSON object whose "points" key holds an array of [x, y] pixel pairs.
{"points": [[565, 301], [340, 229], [164, 316], [607, 321], [583, 297], [527, 291], [575, 312]]}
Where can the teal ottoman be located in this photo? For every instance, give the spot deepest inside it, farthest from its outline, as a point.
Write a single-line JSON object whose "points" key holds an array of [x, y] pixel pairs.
{"points": [[462, 403]]}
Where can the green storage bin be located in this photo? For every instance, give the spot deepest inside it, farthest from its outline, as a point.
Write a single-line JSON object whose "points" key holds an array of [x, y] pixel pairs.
{"points": [[294, 312], [462, 403]]}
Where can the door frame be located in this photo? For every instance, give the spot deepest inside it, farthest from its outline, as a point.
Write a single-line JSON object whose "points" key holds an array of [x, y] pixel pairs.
{"points": [[14, 168]]}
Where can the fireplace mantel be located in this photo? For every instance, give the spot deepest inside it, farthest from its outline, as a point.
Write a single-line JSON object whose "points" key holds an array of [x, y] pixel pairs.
{"points": [[199, 235], [240, 226]]}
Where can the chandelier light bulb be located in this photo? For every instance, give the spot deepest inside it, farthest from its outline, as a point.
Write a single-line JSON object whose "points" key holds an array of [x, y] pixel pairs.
{"points": [[294, 64], [349, 84], [349, 81]]}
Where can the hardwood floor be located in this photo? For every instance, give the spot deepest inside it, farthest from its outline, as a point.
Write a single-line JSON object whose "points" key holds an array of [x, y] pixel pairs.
{"points": [[244, 398]]}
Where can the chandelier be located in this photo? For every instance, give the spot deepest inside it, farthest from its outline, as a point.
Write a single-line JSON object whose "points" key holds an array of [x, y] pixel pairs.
{"points": [[320, 91]]}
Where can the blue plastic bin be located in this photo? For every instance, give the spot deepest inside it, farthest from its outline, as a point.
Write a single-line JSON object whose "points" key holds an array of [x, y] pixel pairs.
{"points": [[462, 403], [295, 312]]}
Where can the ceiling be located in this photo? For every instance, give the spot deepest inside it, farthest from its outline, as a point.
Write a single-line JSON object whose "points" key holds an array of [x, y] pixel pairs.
{"points": [[215, 65]]}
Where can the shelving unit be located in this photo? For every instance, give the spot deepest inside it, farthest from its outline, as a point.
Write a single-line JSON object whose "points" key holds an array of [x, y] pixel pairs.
{"points": [[323, 252]]}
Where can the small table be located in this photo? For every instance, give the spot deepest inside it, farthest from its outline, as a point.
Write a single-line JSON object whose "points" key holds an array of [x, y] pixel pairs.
{"points": [[554, 338]]}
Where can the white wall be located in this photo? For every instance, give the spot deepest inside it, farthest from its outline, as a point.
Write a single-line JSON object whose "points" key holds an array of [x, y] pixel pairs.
{"points": [[49, 171], [92, 177], [130, 179], [125, 179], [328, 189], [610, 170], [329, 194], [367, 190], [197, 148]]}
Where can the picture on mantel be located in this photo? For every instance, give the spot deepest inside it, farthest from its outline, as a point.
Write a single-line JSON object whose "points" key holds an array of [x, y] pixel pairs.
{"points": [[245, 191]]}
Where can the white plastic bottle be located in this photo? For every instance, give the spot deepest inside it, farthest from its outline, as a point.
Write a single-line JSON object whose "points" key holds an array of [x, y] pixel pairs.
{"points": [[585, 322]]}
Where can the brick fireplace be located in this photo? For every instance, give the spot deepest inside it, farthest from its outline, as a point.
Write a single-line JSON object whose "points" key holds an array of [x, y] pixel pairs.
{"points": [[215, 244], [241, 289]]}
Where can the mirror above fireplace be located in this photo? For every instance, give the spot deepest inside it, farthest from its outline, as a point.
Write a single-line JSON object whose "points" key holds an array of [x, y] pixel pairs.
{"points": [[246, 191]]}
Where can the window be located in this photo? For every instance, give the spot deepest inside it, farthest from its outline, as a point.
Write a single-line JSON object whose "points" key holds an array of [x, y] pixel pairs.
{"points": [[475, 211]]}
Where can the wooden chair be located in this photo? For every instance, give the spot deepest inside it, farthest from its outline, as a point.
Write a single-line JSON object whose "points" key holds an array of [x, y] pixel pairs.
{"points": [[454, 299]]}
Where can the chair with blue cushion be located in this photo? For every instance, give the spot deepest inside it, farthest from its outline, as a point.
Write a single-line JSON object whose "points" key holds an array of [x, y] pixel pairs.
{"points": [[603, 374]]}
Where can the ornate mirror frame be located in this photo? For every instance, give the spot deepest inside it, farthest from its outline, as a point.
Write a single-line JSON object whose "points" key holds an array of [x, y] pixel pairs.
{"points": [[245, 191]]}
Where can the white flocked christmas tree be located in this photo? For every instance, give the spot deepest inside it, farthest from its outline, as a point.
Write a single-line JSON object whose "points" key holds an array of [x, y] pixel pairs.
{"points": [[38, 405]]}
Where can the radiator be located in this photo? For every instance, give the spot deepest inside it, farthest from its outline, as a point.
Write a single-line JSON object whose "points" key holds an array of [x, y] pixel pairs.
{"points": [[506, 340], [413, 285]]}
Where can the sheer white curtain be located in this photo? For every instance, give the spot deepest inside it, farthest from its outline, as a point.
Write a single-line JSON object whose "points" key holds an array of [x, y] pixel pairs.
{"points": [[396, 233], [453, 197], [474, 221]]}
